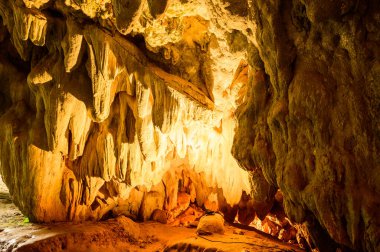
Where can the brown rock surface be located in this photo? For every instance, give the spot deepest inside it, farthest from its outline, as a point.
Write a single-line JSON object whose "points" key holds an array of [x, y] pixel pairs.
{"points": [[211, 224], [120, 234], [111, 105], [310, 120], [123, 108]]}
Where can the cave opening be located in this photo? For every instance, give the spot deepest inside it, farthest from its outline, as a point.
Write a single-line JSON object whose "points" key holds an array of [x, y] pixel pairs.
{"points": [[189, 125]]}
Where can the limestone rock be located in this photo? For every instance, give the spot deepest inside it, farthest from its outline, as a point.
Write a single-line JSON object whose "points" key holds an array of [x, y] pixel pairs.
{"points": [[129, 206], [183, 200], [151, 201], [229, 212], [131, 228], [311, 115], [262, 194], [161, 216], [103, 101], [127, 13], [211, 224], [157, 8], [104, 116], [246, 212]]}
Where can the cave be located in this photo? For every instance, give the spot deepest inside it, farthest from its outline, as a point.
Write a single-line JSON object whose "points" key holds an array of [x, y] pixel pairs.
{"points": [[190, 125]]}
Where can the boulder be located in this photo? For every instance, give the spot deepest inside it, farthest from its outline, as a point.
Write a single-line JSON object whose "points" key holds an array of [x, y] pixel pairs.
{"points": [[211, 224]]}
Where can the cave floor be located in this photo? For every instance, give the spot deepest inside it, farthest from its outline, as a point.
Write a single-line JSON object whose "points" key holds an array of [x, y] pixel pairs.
{"points": [[120, 234]]}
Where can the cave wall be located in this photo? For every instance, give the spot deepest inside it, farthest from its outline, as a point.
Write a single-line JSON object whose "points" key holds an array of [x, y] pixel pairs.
{"points": [[106, 106], [110, 106], [311, 115]]}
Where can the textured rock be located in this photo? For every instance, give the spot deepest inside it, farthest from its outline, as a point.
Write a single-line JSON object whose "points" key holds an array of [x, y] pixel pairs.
{"points": [[211, 224], [114, 124], [310, 120], [152, 201], [161, 216], [131, 228], [125, 107]]}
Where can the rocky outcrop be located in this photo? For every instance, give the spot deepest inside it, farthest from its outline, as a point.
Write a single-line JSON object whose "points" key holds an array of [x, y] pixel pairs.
{"points": [[114, 107], [310, 120]]}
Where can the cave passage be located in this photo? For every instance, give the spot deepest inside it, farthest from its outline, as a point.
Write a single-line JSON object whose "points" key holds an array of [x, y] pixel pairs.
{"points": [[189, 125]]}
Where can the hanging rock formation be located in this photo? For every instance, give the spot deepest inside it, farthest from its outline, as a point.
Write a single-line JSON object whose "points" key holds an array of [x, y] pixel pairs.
{"points": [[133, 108], [95, 122]]}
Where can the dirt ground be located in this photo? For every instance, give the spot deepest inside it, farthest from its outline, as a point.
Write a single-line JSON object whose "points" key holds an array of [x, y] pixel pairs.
{"points": [[10, 216], [120, 234]]}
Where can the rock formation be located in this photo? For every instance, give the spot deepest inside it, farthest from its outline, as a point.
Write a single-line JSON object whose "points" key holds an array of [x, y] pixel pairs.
{"points": [[311, 115], [113, 107], [133, 107]]}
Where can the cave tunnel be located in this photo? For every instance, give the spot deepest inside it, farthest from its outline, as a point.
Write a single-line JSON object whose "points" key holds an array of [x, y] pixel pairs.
{"points": [[189, 125]]}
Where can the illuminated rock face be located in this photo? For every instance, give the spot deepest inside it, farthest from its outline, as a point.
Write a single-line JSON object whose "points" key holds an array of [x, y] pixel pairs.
{"points": [[311, 116], [94, 124], [126, 107]]}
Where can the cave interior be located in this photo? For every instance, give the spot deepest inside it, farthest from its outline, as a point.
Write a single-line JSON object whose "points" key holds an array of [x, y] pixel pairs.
{"points": [[190, 125]]}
